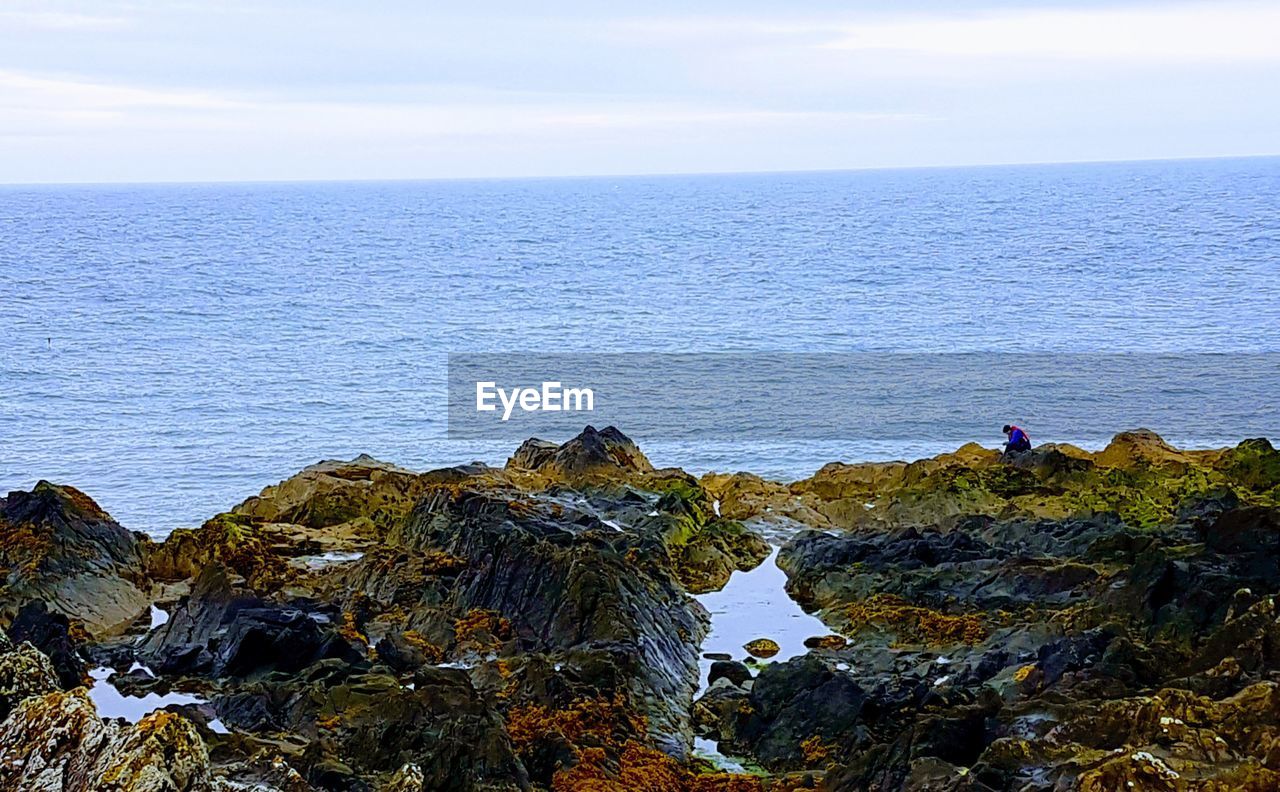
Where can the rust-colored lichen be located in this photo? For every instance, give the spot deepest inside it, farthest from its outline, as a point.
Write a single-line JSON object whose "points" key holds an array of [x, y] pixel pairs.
{"points": [[484, 627], [438, 562], [610, 751], [23, 546], [596, 720], [914, 622], [429, 651], [329, 724], [816, 752], [350, 630]]}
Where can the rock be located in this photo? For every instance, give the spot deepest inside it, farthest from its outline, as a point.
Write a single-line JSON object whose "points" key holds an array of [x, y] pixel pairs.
{"points": [[51, 634], [591, 457], [333, 492], [704, 549], [233, 540], [1060, 619], [57, 743], [797, 703], [735, 672], [533, 454], [221, 631], [409, 778], [59, 547], [440, 726], [24, 672], [567, 581], [829, 643], [762, 647], [744, 496], [1140, 447]]}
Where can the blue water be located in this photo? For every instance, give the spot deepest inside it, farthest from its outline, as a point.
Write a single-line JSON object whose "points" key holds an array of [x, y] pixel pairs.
{"points": [[172, 349]]}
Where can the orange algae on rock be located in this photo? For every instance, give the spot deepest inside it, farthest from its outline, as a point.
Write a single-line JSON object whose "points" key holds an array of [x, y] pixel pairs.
{"points": [[915, 622]]}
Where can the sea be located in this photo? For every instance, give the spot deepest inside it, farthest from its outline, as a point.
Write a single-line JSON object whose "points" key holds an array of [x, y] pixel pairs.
{"points": [[170, 349]]}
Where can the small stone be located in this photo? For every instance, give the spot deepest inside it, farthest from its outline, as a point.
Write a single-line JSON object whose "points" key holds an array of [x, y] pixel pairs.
{"points": [[735, 673], [762, 647], [828, 642]]}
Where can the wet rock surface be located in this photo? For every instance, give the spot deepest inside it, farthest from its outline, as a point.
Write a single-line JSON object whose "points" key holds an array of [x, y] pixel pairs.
{"points": [[59, 547], [1056, 619]]}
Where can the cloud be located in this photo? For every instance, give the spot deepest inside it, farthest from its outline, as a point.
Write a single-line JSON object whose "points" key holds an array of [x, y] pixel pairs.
{"points": [[56, 20], [60, 104], [1195, 32], [19, 90]]}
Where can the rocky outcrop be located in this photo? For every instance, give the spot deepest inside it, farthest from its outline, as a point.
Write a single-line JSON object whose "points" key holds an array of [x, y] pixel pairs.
{"points": [[568, 581], [1047, 620], [57, 743], [59, 547], [375, 725], [222, 631], [1050, 619], [334, 492], [590, 458]]}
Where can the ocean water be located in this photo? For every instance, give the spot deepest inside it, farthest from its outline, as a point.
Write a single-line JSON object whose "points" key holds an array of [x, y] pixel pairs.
{"points": [[171, 349]]}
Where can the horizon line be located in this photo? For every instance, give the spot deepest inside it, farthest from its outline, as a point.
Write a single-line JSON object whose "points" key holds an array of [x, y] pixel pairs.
{"points": [[652, 175]]}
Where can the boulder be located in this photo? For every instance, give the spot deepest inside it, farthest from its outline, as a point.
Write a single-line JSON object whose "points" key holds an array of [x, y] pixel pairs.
{"points": [[334, 492], [24, 672], [762, 647], [568, 581], [58, 546], [51, 634], [57, 743], [220, 630], [591, 457], [735, 672]]}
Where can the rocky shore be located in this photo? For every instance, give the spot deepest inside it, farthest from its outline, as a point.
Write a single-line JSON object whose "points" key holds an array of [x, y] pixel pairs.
{"points": [[1057, 619]]}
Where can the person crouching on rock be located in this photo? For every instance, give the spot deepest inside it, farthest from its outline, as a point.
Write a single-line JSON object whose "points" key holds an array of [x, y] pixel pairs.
{"points": [[1018, 440]]}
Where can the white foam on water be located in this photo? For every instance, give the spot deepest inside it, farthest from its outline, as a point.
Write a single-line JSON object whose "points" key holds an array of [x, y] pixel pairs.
{"points": [[707, 749], [329, 559]]}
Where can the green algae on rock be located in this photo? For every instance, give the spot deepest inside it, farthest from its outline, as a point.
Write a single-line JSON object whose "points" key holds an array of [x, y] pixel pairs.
{"points": [[1053, 619]]}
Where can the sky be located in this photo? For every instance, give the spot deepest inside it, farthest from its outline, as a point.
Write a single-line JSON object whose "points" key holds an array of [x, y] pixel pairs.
{"points": [[181, 90]]}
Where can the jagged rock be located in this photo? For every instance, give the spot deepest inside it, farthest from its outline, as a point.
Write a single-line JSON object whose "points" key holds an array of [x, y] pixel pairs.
{"points": [[51, 634], [24, 672], [440, 725], [797, 702], [57, 743], [233, 540], [571, 585], [408, 778], [592, 456], [221, 631], [58, 546], [533, 454], [334, 492], [1058, 619], [704, 548]]}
